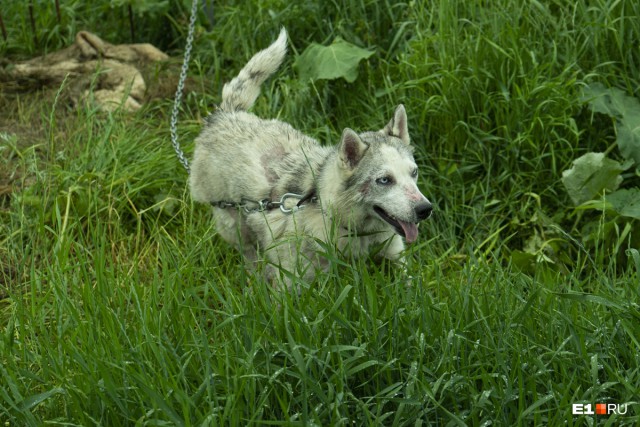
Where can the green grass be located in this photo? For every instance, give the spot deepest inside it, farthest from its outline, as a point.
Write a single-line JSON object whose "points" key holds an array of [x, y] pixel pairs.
{"points": [[119, 304]]}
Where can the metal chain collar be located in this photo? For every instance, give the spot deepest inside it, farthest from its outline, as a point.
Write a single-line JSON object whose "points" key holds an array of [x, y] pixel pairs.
{"points": [[252, 206]]}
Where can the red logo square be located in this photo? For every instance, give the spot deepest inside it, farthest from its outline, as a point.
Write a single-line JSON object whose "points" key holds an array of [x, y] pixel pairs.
{"points": [[601, 408]]}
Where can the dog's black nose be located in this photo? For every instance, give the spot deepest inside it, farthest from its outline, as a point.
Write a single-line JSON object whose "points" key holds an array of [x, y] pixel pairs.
{"points": [[423, 210]]}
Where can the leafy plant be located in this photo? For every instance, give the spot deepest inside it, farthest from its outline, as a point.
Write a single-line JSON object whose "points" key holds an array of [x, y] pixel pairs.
{"points": [[625, 109], [338, 60], [594, 181], [590, 175]]}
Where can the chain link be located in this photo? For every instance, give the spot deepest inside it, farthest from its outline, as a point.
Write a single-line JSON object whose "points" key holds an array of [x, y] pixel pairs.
{"points": [[180, 88], [252, 206]]}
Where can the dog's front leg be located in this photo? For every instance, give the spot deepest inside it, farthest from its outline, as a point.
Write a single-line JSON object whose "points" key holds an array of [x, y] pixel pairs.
{"points": [[394, 251]]}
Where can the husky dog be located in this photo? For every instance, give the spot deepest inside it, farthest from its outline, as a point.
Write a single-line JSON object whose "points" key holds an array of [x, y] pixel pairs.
{"points": [[358, 195]]}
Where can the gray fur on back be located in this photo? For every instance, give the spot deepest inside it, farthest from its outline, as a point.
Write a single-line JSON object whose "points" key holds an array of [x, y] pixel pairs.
{"points": [[238, 154]]}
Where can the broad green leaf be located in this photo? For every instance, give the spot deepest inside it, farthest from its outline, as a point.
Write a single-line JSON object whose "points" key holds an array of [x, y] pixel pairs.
{"points": [[625, 109], [340, 59], [626, 202], [629, 138], [590, 175], [524, 261]]}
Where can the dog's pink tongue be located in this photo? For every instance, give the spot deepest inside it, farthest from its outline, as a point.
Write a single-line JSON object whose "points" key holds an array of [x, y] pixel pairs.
{"points": [[410, 231]]}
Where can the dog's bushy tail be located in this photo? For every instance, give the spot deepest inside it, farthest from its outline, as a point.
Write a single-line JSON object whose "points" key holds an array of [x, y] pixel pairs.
{"points": [[240, 93]]}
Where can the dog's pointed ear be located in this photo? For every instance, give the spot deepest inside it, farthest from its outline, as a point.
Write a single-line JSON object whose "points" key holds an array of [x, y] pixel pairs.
{"points": [[352, 148], [398, 125]]}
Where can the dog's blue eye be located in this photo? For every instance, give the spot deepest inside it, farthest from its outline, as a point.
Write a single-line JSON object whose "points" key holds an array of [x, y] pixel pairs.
{"points": [[414, 173], [385, 180]]}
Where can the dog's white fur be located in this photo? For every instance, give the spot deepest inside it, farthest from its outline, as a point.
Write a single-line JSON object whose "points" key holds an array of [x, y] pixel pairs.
{"points": [[365, 186]]}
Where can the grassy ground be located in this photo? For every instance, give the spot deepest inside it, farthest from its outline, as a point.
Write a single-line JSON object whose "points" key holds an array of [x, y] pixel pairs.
{"points": [[119, 305]]}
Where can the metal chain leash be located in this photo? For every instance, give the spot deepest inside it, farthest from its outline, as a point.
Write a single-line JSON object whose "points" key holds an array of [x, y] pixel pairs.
{"points": [[180, 88]]}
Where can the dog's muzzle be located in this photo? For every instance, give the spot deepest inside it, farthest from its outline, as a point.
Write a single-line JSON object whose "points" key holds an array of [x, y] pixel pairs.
{"points": [[409, 230], [423, 211]]}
